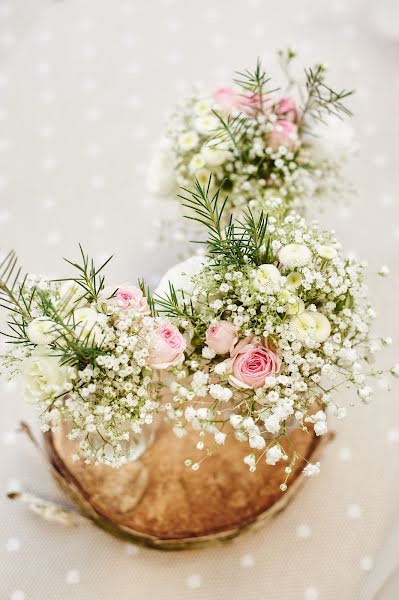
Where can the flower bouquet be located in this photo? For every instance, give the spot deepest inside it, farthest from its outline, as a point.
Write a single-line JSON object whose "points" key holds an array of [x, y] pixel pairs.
{"points": [[90, 356], [274, 148], [277, 322]]}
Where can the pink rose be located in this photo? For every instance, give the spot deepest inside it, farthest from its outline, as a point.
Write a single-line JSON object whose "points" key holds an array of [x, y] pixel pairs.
{"points": [[287, 108], [168, 346], [132, 297], [283, 134], [222, 337], [229, 101], [252, 363]]}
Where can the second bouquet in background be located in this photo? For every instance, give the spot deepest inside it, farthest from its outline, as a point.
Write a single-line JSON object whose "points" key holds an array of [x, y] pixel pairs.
{"points": [[275, 149]]}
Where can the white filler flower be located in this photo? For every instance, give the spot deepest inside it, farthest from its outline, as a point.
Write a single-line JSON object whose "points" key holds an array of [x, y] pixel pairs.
{"points": [[294, 255]]}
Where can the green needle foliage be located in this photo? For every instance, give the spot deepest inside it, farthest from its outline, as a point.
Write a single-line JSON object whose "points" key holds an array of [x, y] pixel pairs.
{"points": [[240, 242]]}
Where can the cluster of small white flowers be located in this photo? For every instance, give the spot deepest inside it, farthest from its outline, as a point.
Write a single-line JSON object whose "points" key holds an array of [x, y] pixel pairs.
{"points": [[310, 305]]}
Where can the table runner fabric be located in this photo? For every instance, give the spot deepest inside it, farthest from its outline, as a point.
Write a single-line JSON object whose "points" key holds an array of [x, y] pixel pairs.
{"points": [[84, 88]]}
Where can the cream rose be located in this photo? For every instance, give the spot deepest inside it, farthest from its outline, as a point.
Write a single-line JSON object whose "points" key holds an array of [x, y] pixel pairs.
{"points": [[167, 348], [222, 337]]}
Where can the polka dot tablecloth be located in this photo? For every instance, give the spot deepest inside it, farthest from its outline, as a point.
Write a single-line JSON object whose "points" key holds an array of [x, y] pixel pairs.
{"points": [[84, 88]]}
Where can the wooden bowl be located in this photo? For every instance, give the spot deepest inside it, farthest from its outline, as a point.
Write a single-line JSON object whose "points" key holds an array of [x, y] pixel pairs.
{"points": [[157, 501]]}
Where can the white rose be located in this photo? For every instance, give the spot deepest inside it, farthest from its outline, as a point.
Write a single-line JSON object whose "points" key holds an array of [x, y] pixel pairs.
{"points": [[267, 279], [180, 276], [295, 255], [87, 325], [71, 297], [42, 331], [44, 377], [161, 177], [332, 139]]}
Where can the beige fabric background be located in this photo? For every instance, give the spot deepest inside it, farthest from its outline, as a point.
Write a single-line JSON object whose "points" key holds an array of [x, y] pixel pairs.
{"points": [[84, 86]]}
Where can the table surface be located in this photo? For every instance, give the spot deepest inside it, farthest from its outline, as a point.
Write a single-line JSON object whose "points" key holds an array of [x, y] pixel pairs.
{"points": [[84, 88]]}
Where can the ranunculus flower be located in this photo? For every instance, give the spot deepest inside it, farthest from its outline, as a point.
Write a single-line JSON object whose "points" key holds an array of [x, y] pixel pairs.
{"points": [[222, 337], [287, 108], [252, 363], [168, 346], [284, 133]]}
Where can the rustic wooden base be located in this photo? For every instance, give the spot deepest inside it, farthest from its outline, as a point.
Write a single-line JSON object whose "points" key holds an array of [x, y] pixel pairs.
{"points": [[159, 502]]}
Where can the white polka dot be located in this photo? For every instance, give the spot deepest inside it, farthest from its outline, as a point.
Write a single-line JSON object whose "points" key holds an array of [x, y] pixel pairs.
{"points": [[387, 200], [129, 40], [48, 203], [247, 561], [345, 454], [72, 577], [93, 114], [5, 10], [8, 39], [53, 238], [85, 25], [46, 131], [173, 57], [133, 69], [49, 162], [93, 150], [380, 160], [303, 531], [172, 25], [97, 183], [5, 217], [98, 223], [366, 563], [128, 9], [89, 52], [354, 511], [9, 438], [88, 85], [13, 544], [43, 37], [193, 581], [18, 595], [311, 593], [134, 101], [132, 550], [393, 436], [47, 96], [43, 68], [140, 133]]}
